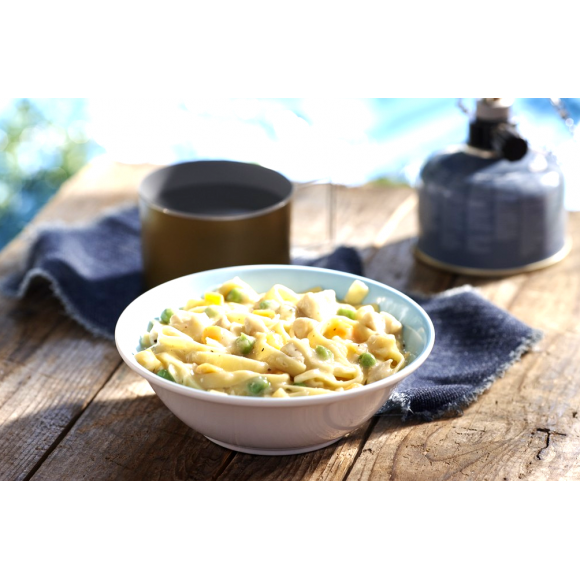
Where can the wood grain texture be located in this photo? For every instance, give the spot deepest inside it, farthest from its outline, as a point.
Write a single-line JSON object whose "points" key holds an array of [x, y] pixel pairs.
{"points": [[527, 426], [128, 434], [50, 368], [106, 423], [330, 464]]}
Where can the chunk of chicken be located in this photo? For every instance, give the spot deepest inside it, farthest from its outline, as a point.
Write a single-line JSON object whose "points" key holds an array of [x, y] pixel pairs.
{"points": [[191, 323], [371, 319], [380, 371], [382, 345], [287, 311], [223, 322], [393, 326], [291, 350], [319, 305], [302, 327], [254, 324], [236, 328]]}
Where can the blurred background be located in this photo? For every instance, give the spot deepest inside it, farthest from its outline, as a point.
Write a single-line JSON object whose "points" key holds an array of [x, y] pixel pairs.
{"points": [[347, 141]]}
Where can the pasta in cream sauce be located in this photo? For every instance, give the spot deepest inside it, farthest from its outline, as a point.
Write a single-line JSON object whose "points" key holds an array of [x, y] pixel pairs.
{"points": [[280, 344]]}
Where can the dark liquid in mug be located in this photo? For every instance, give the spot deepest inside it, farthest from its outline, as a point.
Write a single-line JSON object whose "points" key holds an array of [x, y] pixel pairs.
{"points": [[217, 200]]}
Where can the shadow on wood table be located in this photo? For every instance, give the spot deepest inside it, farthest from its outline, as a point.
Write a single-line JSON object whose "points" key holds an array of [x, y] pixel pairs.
{"points": [[70, 410]]}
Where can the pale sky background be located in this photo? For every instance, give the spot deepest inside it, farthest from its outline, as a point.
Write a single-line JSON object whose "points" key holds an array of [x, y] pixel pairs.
{"points": [[344, 140]]}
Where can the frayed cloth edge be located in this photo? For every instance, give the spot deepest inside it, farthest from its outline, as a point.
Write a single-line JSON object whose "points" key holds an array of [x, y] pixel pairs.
{"points": [[457, 407], [31, 235], [68, 306]]}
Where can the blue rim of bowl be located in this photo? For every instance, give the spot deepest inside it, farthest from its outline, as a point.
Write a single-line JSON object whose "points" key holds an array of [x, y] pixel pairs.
{"points": [[237, 400]]}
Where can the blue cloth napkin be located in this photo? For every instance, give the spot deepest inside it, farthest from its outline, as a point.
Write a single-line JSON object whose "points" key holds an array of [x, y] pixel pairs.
{"points": [[96, 272]]}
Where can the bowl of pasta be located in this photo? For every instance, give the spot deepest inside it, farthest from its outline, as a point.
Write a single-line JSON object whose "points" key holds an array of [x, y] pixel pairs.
{"points": [[274, 360]]}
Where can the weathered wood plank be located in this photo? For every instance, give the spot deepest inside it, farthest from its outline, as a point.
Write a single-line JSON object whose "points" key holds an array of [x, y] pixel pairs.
{"points": [[330, 464], [44, 393], [518, 430], [526, 427], [128, 434], [50, 369]]}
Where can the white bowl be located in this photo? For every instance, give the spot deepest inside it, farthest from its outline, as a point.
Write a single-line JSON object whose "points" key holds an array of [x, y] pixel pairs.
{"points": [[273, 426]]}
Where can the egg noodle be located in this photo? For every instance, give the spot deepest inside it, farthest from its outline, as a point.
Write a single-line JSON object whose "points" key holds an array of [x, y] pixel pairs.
{"points": [[279, 344]]}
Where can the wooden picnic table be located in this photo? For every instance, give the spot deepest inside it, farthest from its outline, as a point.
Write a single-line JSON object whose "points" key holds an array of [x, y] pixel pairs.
{"points": [[71, 410]]}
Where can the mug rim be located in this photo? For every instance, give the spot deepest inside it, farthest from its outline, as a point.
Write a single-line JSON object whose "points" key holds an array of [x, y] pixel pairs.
{"points": [[215, 218]]}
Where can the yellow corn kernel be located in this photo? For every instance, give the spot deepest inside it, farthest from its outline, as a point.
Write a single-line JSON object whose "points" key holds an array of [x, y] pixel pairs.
{"points": [[206, 369], [265, 313], [214, 299], [275, 340]]}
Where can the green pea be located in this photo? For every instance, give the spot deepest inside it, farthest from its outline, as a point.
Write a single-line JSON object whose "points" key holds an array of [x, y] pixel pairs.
{"points": [[323, 353], [166, 315], [235, 295], [164, 374], [245, 344], [257, 386], [269, 305], [211, 312], [348, 313], [300, 385], [367, 360]]}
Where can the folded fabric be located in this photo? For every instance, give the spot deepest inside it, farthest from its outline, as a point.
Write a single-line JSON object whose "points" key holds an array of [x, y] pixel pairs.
{"points": [[475, 344], [96, 272]]}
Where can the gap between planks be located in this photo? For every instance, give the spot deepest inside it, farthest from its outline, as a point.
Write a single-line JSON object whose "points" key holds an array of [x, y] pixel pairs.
{"points": [[74, 420]]}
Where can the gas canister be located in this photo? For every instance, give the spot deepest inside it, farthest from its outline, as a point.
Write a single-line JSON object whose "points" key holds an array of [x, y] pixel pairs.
{"points": [[493, 206]]}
